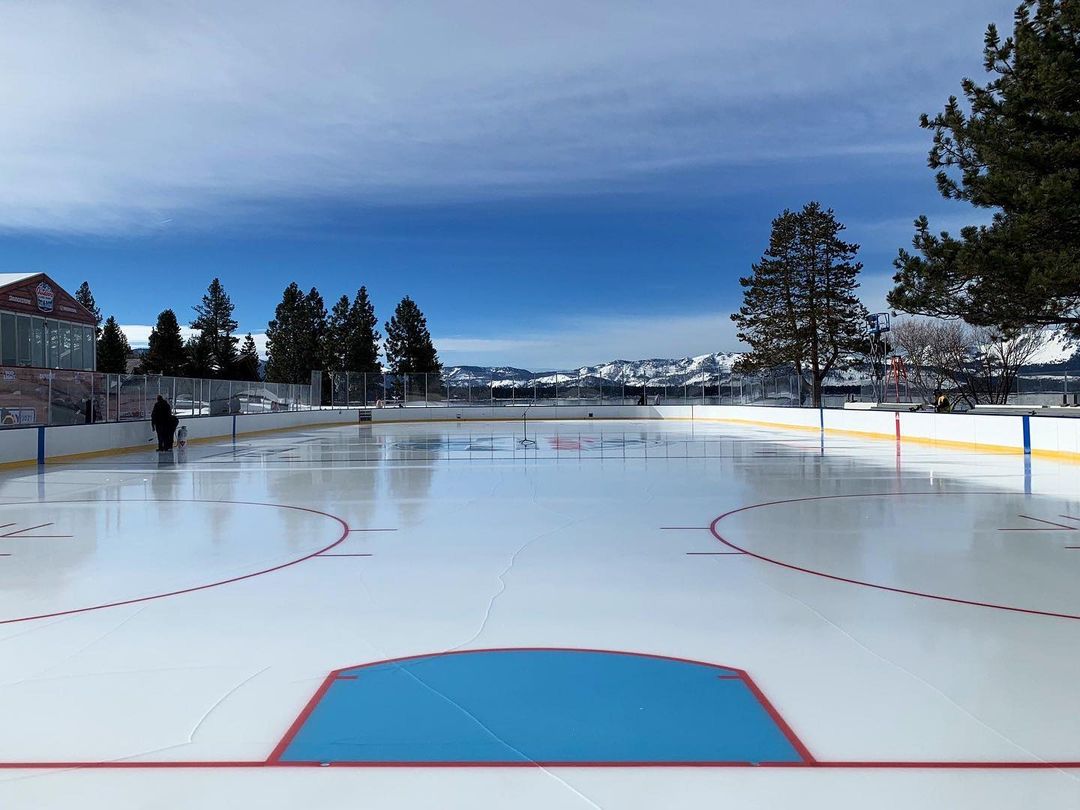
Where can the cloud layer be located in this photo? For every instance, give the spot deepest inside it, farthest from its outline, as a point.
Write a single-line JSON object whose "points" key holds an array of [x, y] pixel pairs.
{"points": [[131, 117]]}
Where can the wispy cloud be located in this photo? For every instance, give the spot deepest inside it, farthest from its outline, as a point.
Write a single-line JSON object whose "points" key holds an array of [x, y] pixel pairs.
{"points": [[122, 117]]}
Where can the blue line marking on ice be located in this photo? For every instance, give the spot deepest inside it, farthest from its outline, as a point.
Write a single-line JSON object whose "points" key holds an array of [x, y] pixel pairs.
{"points": [[542, 706]]}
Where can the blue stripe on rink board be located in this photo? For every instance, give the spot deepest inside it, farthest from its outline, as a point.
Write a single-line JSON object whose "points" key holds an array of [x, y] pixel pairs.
{"points": [[41, 445], [539, 706], [1027, 435]]}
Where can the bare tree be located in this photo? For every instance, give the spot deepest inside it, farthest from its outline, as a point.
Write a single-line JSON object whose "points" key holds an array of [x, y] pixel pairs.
{"points": [[975, 364], [998, 359], [931, 347]]}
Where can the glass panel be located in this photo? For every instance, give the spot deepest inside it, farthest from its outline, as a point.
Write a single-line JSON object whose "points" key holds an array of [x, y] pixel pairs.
{"points": [[22, 339], [53, 338], [24, 397], [76, 347], [131, 400], [98, 388], [89, 349], [7, 338], [65, 345], [37, 354], [71, 402], [220, 403]]}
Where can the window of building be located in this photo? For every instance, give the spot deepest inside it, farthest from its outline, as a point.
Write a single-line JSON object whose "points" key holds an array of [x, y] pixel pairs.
{"points": [[22, 339], [89, 348], [7, 339], [53, 329], [37, 349], [76, 347], [65, 345]]}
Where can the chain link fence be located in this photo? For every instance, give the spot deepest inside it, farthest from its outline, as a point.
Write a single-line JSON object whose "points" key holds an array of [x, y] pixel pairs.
{"points": [[33, 396], [369, 390]]}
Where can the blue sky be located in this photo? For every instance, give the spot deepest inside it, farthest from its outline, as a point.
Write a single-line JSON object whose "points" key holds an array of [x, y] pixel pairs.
{"points": [[555, 184]]}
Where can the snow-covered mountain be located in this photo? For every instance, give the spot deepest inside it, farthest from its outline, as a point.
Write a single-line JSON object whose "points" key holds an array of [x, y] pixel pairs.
{"points": [[685, 371]]}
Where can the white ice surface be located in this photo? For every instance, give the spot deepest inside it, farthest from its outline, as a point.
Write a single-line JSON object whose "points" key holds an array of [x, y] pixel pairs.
{"points": [[562, 545]]}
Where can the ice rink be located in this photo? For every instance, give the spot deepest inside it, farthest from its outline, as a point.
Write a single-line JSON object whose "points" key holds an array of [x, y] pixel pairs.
{"points": [[614, 615]]}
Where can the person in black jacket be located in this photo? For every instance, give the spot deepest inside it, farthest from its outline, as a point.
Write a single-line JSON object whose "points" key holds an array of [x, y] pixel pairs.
{"points": [[164, 423]]}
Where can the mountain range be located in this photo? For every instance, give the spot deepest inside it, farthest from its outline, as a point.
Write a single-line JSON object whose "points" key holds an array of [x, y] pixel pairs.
{"points": [[684, 371]]}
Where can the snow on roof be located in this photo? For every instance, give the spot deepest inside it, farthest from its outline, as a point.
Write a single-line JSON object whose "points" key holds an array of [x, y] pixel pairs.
{"points": [[15, 278]]}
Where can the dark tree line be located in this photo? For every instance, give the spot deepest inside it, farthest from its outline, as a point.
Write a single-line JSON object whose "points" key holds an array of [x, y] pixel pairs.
{"points": [[303, 337]]}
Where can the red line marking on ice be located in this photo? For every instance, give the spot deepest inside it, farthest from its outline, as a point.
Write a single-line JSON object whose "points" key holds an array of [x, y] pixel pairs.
{"points": [[875, 585], [781, 723], [817, 764], [1069, 517], [301, 718], [1058, 526], [341, 539]]}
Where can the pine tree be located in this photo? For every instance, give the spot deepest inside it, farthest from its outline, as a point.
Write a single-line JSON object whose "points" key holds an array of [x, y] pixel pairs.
{"points": [[247, 363], [409, 349], [113, 349], [362, 350], [1014, 151], [215, 322], [315, 346], [295, 338], [800, 306], [200, 359], [166, 354], [337, 337], [283, 335], [86, 298]]}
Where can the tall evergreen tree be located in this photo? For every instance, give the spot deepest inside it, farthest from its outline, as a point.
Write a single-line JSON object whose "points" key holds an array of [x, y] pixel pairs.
{"points": [[337, 336], [166, 354], [409, 349], [216, 323], [315, 346], [295, 338], [1014, 150], [113, 349], [800, 306], [86, 298], [283, 337], [200, 358], [247, 363], [362, 349]]}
